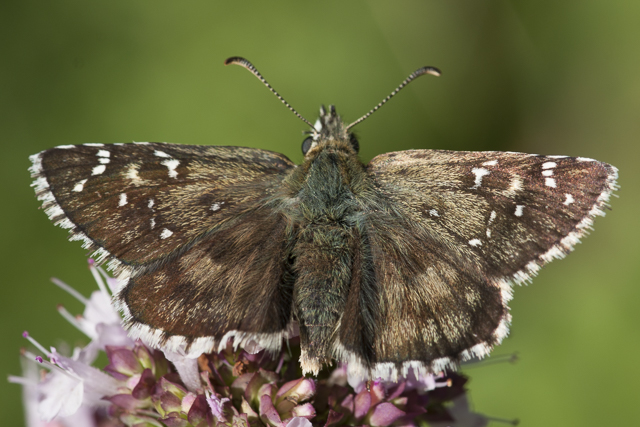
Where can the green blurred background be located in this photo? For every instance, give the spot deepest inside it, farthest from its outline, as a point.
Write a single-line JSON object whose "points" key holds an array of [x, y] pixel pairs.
{"points": [[535, 76]]}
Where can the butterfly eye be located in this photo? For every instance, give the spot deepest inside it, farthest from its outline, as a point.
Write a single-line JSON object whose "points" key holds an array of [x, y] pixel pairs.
{"points": [[306, 145], [354, 142]]}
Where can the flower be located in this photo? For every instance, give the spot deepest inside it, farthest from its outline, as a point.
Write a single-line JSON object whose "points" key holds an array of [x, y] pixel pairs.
{"points": [[141, 386]]}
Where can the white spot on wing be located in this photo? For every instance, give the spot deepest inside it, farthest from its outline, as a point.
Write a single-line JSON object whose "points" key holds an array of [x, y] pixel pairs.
{"points": [[479, 173], [490, 163], [123, 199], [547, 173], [549, 165], [519, 210], [150, 204], [216, 206], [492, 218], [93, 144], [98, 170], [475, 242], [569, 199], [153, 222], [165, 233], [132, 174], [172, 165], [585, 159], [550, 182], [160, 154], [557, 157], [65, 147], [433, 212], [104, 160], [103, 153], [80, 185], [515, 185]]}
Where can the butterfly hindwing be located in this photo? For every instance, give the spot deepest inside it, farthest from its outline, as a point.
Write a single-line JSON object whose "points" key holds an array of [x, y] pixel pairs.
{"points": [[230, 283], [450, 232], [177, 223]]}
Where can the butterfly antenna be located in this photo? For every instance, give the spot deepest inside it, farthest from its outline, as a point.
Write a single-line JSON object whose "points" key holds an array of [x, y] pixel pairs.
{"points": [[237, 60], [424, 70]]}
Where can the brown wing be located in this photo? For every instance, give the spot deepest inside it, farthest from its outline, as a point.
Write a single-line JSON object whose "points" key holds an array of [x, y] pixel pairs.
{"points": [[173, 220], [448, 234]]}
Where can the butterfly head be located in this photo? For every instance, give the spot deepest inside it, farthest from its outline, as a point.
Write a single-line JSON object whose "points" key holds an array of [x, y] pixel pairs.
{"points": [[329, 128]]}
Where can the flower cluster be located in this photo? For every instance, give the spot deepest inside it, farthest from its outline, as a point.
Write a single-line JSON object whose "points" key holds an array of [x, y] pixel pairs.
{"points": [[141, 386]]}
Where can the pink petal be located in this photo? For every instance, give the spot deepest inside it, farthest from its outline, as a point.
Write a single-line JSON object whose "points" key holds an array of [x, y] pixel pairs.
{"points": [[187, 368], [362, 404], [122, 362], [62, 396], [268, 412], [299, 422], [301, 390], [377, 392], [144, 387], [307, 411], [385, 414], [201, 412], [333, 418]]}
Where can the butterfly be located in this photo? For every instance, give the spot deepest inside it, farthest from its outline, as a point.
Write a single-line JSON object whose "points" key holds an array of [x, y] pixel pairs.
{"points": [[404, 263]]}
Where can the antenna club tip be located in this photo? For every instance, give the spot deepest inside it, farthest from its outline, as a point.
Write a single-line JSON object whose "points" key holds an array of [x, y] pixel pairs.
{"points": [[433, 71], [234, 60]]}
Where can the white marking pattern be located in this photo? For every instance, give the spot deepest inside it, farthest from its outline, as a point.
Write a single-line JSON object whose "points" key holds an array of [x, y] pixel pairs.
{"points": [[479, 173], [80, 185], [98, 169], [171, 165], [475, 242]]}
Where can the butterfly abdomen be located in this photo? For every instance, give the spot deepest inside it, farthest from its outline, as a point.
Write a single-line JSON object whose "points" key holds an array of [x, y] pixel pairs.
{"points": [[323, 269]]}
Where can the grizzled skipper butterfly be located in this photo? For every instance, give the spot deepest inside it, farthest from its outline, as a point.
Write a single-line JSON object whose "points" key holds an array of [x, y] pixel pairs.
{"points": [[407, 262]]}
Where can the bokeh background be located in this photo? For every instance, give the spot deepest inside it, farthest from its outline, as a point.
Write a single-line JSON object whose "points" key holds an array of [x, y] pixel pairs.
{"points": [[535, 76]]}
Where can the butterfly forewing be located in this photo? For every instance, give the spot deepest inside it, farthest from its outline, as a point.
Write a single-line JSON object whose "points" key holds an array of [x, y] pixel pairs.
{"points": [[502, 210], [141, 202]]}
